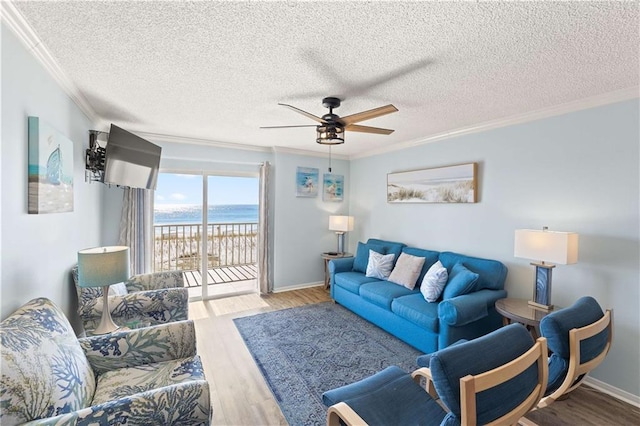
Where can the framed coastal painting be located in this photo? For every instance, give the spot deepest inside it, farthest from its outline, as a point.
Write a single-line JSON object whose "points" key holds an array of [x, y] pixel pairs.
{"points": [[332, 187], [50, 170], [307, 179], [451, 184]]}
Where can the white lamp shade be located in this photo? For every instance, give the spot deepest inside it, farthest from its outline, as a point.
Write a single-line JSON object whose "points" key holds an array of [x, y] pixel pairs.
{"points": [[546, 246], [101, 266], [341, 223]]}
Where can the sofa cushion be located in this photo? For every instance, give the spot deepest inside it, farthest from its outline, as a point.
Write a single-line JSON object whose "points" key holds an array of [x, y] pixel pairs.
{"points": [[407, 270], [492, 273], [361, 260], [44, 370], [461, 281], [416, 310], [434, 282], [430, 257], [380, 265], [352, 281], [389, 246], [382, 293], [123, 382]]}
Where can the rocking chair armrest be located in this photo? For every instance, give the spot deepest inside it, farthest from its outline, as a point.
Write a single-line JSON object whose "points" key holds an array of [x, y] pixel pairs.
{"points": [[342, 411], [425, 373]]}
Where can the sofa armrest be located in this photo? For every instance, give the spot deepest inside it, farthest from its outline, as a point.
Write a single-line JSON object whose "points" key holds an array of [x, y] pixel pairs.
{"points": [[164, 305], [344, 264], [184, 403], [465, 309], [130, 348], [155, 281]]}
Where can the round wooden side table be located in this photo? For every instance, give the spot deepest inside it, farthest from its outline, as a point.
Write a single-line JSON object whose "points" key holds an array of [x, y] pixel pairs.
{"points": [[327, 257], [519, 310]]}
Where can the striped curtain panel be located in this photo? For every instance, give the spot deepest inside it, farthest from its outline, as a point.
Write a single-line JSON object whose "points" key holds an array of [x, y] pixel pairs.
{"points": [[265, 283], [136, 228]]}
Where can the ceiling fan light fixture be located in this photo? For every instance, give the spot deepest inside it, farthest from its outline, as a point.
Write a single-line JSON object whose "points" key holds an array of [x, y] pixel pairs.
{"points": [[330, 135]]}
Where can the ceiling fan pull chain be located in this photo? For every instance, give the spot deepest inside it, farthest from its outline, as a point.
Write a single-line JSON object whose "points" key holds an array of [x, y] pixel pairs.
{"points": [[329, 158]]}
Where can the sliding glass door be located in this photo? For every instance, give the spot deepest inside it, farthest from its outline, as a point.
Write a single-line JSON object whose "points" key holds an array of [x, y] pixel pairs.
{"points": [[207, 226], [232, 234]]}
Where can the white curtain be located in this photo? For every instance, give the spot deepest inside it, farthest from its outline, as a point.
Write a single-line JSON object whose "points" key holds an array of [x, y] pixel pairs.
{"points": [[265, 282], [136, 228]]}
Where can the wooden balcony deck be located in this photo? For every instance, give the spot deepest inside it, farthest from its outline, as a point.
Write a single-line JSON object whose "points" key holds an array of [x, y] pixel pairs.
{"points": [[222, 275]]}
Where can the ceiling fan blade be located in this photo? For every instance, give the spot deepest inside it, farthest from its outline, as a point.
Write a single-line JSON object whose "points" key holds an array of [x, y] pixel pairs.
{"points": [[305, 113], [287, 127], [368, 129], [368, 115]]}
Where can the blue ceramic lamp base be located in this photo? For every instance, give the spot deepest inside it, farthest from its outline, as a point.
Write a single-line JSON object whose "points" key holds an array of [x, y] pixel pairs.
{"points": [[542, 288]]}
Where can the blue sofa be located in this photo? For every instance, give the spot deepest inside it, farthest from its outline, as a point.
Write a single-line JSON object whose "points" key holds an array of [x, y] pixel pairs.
{"points": [[405, 313]]}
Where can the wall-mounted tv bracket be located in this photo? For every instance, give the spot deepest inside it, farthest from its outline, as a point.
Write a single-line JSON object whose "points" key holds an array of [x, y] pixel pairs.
{"points": [[94, 158]]}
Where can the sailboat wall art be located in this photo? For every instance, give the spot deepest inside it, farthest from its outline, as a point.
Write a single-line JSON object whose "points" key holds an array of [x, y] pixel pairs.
{"points": [[50, 169]]}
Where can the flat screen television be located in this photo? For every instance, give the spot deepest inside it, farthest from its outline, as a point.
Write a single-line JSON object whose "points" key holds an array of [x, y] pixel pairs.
{"points": [[130, 160]]}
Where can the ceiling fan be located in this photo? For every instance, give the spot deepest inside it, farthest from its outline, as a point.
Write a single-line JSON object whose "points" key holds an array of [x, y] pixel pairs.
{"points": [[331, 129]]}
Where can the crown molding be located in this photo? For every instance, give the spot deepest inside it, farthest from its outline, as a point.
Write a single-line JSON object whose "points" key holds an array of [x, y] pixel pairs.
{"points": [[21, 28], [159, 137], [308, 153], [581, 104]]}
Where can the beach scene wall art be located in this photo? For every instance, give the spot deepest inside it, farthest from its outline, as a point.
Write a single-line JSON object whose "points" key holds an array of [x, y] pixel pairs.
{"points": [[50, 169], [451, 184], [307, 180], [333, 187]]}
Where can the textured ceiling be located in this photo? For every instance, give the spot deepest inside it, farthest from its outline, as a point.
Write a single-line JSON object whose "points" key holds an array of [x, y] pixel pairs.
{"points": [[216, 70]]}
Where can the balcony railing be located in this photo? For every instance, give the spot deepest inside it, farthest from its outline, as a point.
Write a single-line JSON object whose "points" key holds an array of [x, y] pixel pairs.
{"points": [[178, 246]]}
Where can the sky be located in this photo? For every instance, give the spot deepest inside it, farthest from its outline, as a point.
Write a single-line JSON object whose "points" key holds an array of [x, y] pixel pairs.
{"points": [[187, 189]]}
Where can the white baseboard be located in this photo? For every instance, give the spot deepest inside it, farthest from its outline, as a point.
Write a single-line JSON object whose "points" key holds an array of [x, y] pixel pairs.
{"points": [[620, 394], [298, 287]]}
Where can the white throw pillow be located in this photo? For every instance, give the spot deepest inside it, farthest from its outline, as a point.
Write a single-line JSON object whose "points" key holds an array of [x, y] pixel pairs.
{"points": [[379, 265], [407, 270], [434, 281]]}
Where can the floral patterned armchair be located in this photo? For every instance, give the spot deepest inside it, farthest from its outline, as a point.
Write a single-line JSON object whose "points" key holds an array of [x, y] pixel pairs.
{"points": [[156, 298], [148, 376]]}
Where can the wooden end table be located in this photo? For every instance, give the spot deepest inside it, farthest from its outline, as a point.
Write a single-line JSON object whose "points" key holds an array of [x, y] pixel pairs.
{"points": [[327, 257], [519, 310]]}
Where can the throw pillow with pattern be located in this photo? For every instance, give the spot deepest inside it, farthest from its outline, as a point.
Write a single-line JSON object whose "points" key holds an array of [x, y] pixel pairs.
{"points": [[380, 265], [434, 281]]}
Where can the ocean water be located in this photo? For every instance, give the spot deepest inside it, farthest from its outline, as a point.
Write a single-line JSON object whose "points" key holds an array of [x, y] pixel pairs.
{"points": [[192, 214]]}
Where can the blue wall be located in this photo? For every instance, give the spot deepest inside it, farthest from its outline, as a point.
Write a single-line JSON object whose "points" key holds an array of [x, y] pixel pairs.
{"points": [[575, 172], [38, 251]]}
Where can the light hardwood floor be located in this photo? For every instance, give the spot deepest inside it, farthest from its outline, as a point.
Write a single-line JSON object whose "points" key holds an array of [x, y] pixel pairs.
{"points": [[240, 395]]}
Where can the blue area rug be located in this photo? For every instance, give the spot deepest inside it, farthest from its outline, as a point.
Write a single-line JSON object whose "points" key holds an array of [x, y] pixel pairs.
{"points": [[303, 352]]}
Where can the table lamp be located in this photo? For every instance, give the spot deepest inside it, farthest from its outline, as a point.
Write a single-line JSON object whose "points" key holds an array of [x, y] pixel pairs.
{"points": [[341, 224], [101, 267], [545, 246]]}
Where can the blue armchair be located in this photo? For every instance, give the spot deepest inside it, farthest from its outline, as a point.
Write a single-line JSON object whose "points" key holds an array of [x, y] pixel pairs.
{"points": [[495, 378], [155, 298], [149, 376], [579, 338]]}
